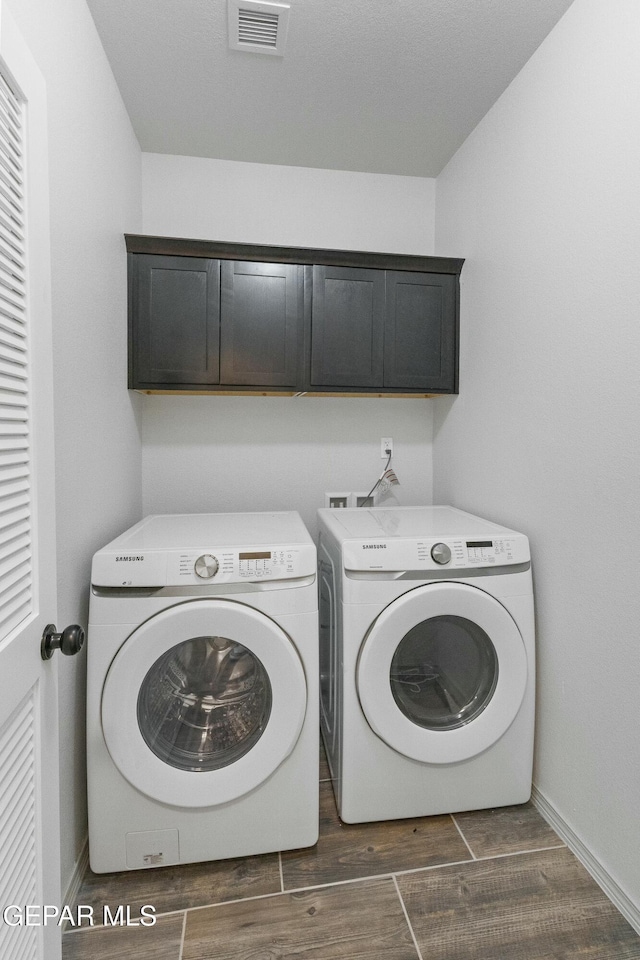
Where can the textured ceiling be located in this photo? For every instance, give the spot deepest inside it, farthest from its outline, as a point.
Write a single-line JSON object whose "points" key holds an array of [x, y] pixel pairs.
{"points": [[379, 86]]}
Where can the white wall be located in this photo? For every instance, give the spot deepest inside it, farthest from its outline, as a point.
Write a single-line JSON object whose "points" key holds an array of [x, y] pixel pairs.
{"points": [[204, 454], [94, 169], [293, 206], [542, 200], [255, 453]]}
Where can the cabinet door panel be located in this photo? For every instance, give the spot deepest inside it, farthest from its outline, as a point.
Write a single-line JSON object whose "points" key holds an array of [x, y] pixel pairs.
{"points": [[347, 332], [175, 335], [420, 332], [261, 323]]}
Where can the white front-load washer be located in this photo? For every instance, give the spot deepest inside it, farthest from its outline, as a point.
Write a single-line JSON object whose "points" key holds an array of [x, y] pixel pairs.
{"points": [[427, 664], [202, 691]]}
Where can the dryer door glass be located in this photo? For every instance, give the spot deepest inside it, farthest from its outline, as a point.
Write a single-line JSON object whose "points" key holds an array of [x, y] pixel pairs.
{"points": [[444, 672], [204, 704]]}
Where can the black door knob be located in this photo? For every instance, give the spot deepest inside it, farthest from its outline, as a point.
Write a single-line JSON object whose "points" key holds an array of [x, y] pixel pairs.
{"points": [[70, 641]]}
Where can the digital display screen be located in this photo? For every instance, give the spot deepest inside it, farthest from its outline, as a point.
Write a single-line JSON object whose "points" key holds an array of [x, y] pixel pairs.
{"points": [[256, 555], [479, 543]]}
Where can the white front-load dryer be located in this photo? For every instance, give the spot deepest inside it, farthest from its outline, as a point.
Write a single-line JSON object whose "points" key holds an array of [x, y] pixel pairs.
{"points": [[427, 662], [202, 691]]}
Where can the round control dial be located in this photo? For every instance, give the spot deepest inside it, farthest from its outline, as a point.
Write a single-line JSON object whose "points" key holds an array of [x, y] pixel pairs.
{"points": [[206, 566], [441, 553]]}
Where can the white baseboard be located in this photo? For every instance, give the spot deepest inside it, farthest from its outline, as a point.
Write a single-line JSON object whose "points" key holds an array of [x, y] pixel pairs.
{"points": [[77, 876], [605, 881]]}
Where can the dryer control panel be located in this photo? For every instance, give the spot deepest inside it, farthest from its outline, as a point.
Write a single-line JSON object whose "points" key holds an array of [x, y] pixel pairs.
{"points": [[398, 554], [206, 565]]}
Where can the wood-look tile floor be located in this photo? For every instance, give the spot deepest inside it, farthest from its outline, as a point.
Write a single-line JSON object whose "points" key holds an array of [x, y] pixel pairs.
{"points": [[489, 885]]}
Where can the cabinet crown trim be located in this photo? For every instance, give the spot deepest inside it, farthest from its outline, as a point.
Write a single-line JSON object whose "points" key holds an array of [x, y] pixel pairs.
{"points": [[180, 247]]}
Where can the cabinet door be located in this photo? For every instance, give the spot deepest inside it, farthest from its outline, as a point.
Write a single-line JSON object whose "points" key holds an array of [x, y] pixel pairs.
{"points": [[261, 323], [347, 327], [175, 326], [420, 331]]}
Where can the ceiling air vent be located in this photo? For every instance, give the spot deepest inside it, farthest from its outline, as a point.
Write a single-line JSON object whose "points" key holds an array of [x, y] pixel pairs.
{"points": [[258, 27]]}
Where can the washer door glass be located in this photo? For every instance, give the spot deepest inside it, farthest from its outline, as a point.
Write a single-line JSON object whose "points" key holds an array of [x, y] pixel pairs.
{"points": [[204, 704], [444, 672]]}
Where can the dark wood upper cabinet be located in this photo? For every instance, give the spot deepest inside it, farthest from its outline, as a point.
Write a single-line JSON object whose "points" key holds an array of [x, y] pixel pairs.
{"points": [[420, 332], [261, 323], [347, 327], [210, 316], [174, 321]]}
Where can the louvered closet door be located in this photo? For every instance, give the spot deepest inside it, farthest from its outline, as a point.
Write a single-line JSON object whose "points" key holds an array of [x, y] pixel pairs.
{"points": [[29, 816], [16, 598]]}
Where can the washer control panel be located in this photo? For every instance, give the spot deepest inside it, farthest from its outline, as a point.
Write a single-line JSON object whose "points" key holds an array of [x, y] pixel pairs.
{"points": [[399, 554], [237, 566], [207, 565]]}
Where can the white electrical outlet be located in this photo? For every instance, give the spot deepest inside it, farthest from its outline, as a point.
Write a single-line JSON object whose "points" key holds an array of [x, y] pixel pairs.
{"points": [[337, 501], [386, 443]]}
